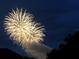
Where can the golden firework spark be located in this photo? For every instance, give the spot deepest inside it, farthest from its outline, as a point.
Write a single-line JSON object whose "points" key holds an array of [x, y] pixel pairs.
{"points": [[22, 28], [20, 25]]}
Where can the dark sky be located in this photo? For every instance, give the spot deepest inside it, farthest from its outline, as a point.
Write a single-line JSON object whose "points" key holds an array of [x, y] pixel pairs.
{"points": [[59, 17]]}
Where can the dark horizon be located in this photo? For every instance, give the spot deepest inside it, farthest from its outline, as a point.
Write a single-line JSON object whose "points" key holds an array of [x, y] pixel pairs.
{"points": [[69, 48]]}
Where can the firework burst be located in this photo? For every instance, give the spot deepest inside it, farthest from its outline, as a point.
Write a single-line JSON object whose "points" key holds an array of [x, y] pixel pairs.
{"points": [[22, 28], [20, 25]]}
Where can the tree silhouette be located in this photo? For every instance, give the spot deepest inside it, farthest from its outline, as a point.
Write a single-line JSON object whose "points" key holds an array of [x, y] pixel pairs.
{"points": [[68, 49]]}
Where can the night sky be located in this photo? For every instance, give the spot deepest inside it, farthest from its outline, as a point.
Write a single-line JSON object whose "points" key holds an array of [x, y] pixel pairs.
{"points": [[59, 17]]}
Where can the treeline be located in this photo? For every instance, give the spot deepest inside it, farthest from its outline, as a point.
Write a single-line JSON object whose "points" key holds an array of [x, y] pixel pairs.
{"points": [[68, 49]]}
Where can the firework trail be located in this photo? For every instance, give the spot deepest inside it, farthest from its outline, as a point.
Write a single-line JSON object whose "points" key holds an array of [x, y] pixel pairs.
{"points": [[22, 29]]}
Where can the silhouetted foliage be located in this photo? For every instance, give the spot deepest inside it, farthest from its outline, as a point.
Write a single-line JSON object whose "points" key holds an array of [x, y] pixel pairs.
{"points": [[68, 49]]}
